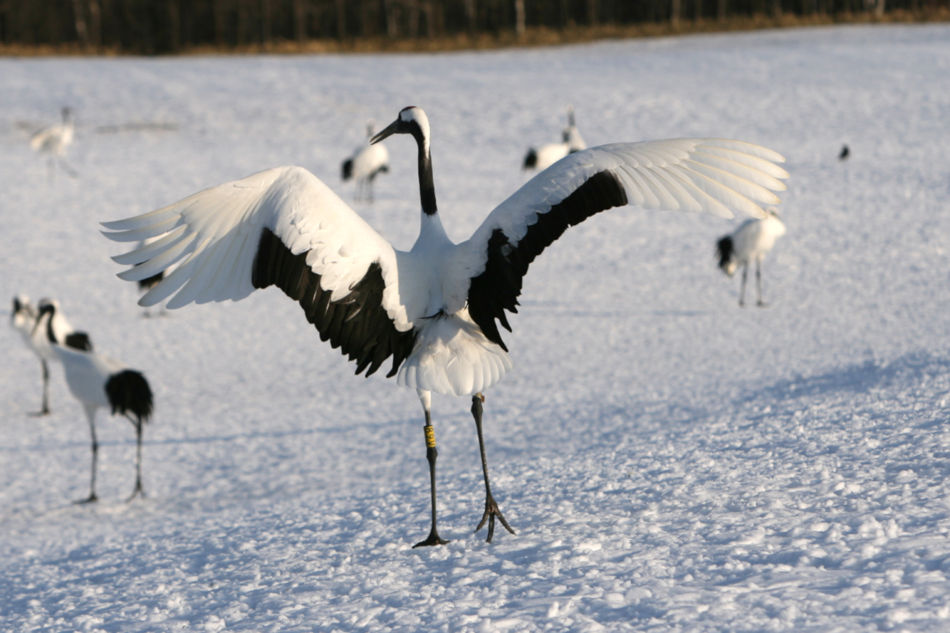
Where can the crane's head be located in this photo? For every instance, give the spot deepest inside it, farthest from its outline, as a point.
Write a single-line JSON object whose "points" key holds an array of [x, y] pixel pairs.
{"points": [[22, 310], [411, 120], [47, 306]]}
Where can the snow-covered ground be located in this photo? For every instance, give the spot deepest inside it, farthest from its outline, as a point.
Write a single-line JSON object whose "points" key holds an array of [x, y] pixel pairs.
{"points": [[670, 461]]}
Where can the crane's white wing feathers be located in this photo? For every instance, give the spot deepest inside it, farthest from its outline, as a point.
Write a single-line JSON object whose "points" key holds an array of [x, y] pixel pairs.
{"points": [[717, 176], [208, 241]]}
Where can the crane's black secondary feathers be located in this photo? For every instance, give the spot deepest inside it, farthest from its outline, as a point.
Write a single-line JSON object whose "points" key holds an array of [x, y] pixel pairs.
{"points": [[357, 323], [497, 288]]}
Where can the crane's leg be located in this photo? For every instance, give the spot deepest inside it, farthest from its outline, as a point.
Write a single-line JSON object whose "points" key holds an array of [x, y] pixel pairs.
{"points": [[758, 282], [45, 408], [95, 457], [431, 454], [491, 508], [745, 275], [72, 173], [138, 461]]}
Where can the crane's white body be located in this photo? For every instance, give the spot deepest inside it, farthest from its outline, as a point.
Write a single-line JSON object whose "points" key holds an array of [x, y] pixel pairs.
{"points": [[86, 375], [753, 239], [55, 139], [549, 153], [368, 160]]}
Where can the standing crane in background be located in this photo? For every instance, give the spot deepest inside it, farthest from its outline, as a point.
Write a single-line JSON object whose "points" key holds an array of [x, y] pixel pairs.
{"points": [[97, 381], [546, 155], [750, 242], [53, 141], [366, 162]]}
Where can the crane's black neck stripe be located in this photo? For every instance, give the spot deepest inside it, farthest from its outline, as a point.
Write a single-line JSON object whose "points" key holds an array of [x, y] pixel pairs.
{"points": [[357, 323], [426, 182], [50, 335], [497, 288], [129, 394]]}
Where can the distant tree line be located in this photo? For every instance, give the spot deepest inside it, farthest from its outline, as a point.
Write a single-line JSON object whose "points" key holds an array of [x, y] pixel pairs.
{"points": [[168, 26]]}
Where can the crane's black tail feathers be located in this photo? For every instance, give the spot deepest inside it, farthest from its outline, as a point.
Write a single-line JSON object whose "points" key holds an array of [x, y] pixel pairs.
{"points": [[725, 251], [129, 394], [530, 159], [347, 169]]}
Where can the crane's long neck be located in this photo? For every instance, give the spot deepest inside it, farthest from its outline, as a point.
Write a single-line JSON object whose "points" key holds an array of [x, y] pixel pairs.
{"points": [[426, 183]]}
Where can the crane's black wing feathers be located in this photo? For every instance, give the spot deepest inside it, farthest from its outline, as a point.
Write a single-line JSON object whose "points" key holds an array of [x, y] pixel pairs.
{"points": [[497, 288], [357, 323]]}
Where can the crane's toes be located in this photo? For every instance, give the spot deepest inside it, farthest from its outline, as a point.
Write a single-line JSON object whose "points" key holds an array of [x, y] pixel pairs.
{"points": [[39, 414], [491, 513], [432, 539], [138, 492], [762, 304], [92, 498]]}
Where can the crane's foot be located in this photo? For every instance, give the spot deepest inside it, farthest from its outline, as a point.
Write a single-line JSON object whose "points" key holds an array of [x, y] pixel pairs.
{"points": [[432, 539], [138, 492], [492, 512], [39, 414], [762, 304], [92, 498]]}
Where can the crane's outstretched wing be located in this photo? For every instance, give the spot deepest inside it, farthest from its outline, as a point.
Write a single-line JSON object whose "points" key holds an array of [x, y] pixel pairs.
{"points": [[284, 227], [711, 175]]}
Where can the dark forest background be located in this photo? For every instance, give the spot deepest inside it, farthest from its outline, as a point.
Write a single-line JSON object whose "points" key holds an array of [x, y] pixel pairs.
{"points": [[172, 26]]}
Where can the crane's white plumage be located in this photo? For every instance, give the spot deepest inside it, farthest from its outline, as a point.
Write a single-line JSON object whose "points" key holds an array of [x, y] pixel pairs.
{"points": [[544, 156], [750, 242], [434, 308], [366, 162], [55, 139]]}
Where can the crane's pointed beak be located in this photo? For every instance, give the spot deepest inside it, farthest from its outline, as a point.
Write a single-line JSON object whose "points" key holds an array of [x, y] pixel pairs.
{"points": [[390, 129]]}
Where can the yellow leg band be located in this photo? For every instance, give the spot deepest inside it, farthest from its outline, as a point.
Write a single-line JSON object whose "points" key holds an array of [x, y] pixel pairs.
{"points": [[430, 436]]}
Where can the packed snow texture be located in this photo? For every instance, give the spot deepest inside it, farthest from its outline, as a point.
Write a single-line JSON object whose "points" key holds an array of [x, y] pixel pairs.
{"points": [[670, 461]]}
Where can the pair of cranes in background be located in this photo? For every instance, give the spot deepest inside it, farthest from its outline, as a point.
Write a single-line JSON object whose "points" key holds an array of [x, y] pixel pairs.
{"points": [[95, 380], [434, 311]]}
